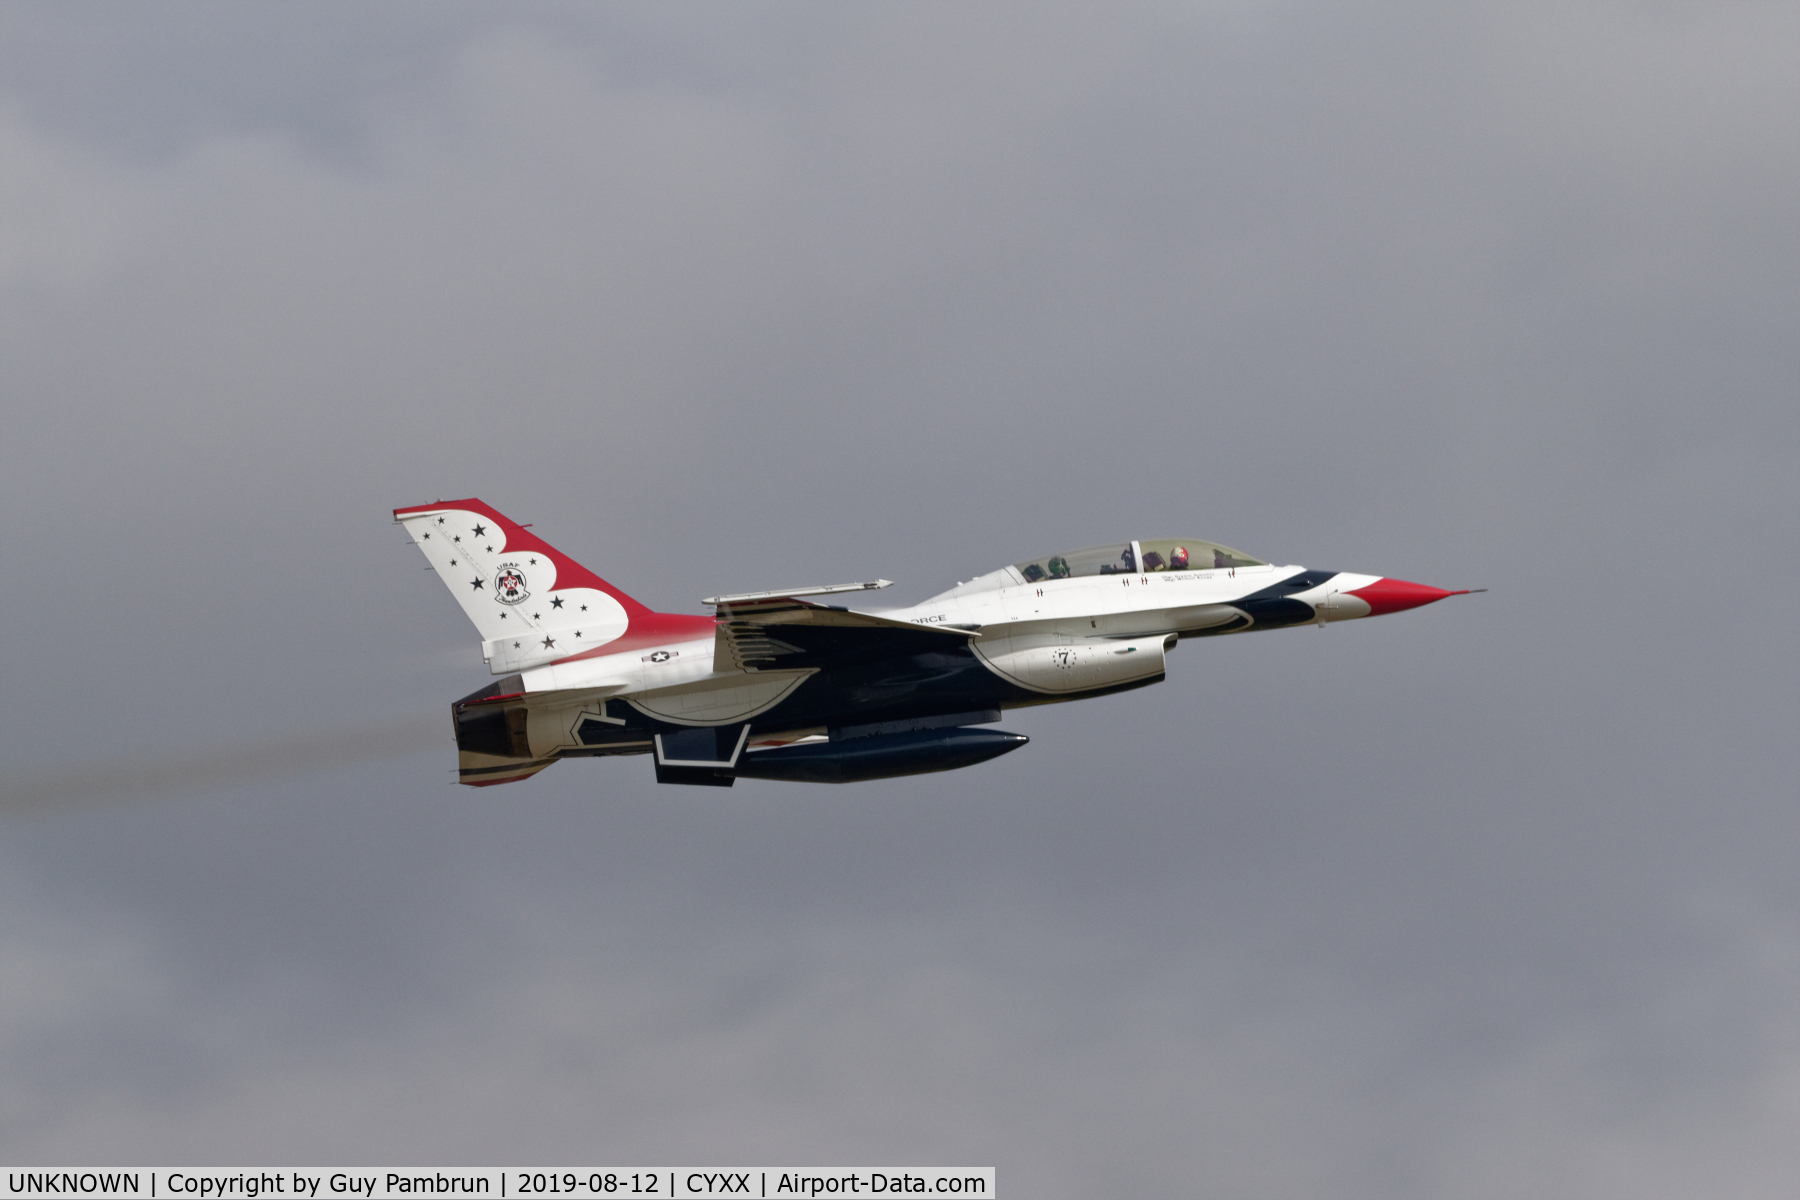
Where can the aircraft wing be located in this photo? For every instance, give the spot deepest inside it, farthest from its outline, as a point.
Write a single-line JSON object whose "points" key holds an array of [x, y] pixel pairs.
{"points": [[763, 631]]}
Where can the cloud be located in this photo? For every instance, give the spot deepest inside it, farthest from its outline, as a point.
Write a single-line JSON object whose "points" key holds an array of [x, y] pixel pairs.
{"points": [[883, 1040], [68, 210], [1484, 899]]}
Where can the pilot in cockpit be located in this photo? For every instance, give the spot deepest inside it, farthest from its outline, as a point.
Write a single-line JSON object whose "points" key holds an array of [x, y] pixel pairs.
{"points": [[1127, 564]]}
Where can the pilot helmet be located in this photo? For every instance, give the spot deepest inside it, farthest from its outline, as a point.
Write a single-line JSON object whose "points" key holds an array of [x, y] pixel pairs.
{"points": [[1059, 567], [1178, 558]]}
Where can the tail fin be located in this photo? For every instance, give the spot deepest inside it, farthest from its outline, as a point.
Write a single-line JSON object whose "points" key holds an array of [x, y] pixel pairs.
{"points": [[531, 603]]}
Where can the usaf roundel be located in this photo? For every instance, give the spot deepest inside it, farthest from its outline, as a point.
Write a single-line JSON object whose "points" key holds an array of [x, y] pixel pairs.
{"points": [[509, 584]]}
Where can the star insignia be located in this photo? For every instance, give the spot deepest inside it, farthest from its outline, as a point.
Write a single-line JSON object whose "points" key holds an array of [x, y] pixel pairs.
{"points": [[556, 602], [476, 583], [481, 531], [549, 642], [428, 537], [515, 645], [537, 616], [584, 608], [440, 520], [457, 538], [534, 562]]}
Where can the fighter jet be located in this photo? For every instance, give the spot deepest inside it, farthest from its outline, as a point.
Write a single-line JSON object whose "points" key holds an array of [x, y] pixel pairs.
{"points": [[802, 684]]}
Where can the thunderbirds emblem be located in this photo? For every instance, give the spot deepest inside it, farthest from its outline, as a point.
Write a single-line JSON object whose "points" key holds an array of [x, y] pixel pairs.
{"points": [[509, 584]]}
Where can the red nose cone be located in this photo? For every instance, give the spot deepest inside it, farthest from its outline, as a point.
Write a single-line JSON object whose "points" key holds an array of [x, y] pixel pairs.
{"points": [[1397, 595]]}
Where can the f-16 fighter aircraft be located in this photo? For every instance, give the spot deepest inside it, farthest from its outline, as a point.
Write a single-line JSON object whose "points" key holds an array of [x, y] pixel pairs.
{"points": [[789, 685]]}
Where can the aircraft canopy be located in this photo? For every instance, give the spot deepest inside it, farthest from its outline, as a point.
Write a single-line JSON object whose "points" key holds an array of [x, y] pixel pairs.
{"points": [[1121, 558]]}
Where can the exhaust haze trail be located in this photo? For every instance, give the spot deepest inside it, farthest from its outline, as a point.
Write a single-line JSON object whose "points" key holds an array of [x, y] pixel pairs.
{"points": [[125, 779]]}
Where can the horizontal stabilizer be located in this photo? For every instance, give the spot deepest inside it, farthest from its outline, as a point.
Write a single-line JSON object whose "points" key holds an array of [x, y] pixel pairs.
{"points": [[486, 770]]}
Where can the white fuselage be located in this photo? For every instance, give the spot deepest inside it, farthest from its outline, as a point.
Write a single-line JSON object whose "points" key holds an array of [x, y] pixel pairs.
{"points": [[1118, 606]]}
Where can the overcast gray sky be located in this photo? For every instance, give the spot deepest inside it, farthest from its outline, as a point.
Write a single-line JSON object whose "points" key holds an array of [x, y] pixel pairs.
{"points": [[1496, 898]]}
